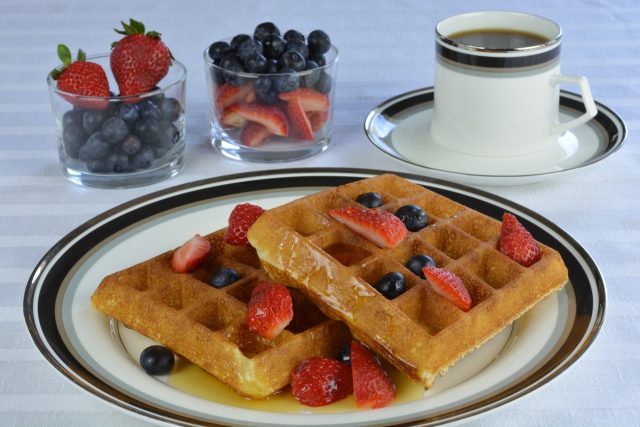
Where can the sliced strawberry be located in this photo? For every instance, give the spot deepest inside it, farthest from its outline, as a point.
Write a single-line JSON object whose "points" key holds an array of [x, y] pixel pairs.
{"points": [[319, 381], [317, 119], [268, 116], [517, 243], [269, 310], [191, 254], [372, 386], [309, 99], [229, 94], [300, 126], [242, 217], [231, 118], [380, 227], [448, 285], [254, 134]]}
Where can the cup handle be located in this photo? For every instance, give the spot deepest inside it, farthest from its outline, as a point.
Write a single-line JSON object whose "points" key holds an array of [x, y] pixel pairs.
{"points": [[587, 100]]}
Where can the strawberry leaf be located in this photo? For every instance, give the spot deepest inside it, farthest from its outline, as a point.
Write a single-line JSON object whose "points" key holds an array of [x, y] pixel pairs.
{"points": [[137, 26], [82, 56], [64, 54]]}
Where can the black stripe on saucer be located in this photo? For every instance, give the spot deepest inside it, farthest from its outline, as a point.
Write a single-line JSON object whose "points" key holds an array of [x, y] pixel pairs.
{"points": [[497, 62]]}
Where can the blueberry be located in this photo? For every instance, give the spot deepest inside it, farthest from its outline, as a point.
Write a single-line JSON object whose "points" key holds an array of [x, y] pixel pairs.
{"points": [[171, 109], [97, 166], [96, 148], [216, 75], [311, 75], [232, 65], [391, 285], [298, 46], [319, 42], [156, 98], [218, 50], [263, 83], [131, 145], [255, 63], [293, 60], [344, 355], [149, 109], [114, 130], [72, 117], [248, 47], [369, 200], [148, 130], [73, 136], [413, 217], [128, 112], [92, 120], [169, 136], [235, 42], [117, 162], [268, 97], [287, 81], [273, 46], [318, 59], [324, 83], [417, 262], [264, 30], [272, 66], [144, 158], [157, 360], [293, 35], [223, 277]]}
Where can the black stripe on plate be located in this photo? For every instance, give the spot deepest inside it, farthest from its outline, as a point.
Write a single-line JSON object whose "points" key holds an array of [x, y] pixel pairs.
{"points": [[495, 61]]}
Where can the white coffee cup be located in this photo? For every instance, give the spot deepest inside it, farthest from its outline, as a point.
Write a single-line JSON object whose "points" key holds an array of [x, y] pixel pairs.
{"points": [[501, 101]]}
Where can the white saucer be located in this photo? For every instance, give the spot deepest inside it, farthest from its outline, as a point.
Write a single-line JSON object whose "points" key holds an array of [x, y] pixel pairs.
{"points": [[400, 127]]}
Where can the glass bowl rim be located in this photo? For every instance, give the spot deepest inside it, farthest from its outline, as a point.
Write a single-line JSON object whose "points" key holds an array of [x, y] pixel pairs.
{"points": [[135, 97]]}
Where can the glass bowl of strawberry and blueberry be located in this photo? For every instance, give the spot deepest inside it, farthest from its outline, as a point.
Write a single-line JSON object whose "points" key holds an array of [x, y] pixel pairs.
{"points": [[130, 138], [271, 93]]}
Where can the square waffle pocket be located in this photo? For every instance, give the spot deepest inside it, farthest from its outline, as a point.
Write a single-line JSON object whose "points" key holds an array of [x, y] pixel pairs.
{"points": [[419, 332], [206, 325]]}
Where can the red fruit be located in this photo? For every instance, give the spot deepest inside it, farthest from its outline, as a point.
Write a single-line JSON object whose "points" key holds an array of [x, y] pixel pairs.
{"points": [[372, 386], [309, 99], [269, 310], [300, 125], [191, 254], [81, 78], [317, 119], [448, 285], [268, 116], [381, 227], [517, 243], [242, 217], [231, 119], [319, 381], [253, 134], [229, 94], [139, 60]]}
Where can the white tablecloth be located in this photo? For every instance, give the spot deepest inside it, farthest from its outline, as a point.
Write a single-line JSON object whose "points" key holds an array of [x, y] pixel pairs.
{"points": [[386, 49]]}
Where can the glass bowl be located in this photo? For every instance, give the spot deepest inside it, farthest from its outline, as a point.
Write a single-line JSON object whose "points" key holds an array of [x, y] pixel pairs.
{"points": [[128, 141], [271, 117]]}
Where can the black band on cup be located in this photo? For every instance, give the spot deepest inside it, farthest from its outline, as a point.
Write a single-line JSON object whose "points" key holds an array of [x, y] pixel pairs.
{"points": [[498, 61]]}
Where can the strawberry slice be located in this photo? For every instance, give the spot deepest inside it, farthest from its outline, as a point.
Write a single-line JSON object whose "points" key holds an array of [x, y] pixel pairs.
{"points": [[448, 285], [254, 134], [517, 243], [317, 119], [309, 99], [372, 386], [242, 217], [231, 118], [268, 116], [191, 254], [300, 125], [269, 310], [319, 381], [229, 94], [380, 227]]}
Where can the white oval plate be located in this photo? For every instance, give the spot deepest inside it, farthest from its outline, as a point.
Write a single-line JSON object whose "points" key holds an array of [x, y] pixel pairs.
{"points": [[79, 342]]}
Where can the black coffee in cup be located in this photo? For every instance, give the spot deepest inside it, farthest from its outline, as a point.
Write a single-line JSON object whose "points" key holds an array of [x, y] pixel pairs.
{"points": [[498, 38]]}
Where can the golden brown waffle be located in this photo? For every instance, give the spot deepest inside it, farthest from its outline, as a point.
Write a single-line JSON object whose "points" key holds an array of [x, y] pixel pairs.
{"points": [[207, 325], [420, 332]]}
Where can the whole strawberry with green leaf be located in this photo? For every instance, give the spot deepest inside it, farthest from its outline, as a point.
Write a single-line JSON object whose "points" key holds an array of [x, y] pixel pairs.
{"points": [[139, 60], [81, 77]]}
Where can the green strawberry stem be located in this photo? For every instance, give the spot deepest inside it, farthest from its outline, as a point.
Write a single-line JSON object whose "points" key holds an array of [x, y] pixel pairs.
{"points": [[136, 27], [64, 53]]}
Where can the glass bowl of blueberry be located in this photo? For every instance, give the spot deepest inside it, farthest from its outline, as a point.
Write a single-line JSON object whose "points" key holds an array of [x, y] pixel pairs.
{"points": [[132, 138], [271, 94]]}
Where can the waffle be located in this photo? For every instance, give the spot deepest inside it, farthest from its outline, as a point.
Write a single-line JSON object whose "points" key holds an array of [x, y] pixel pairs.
{"points": [[207, 325], [419, 332]]}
